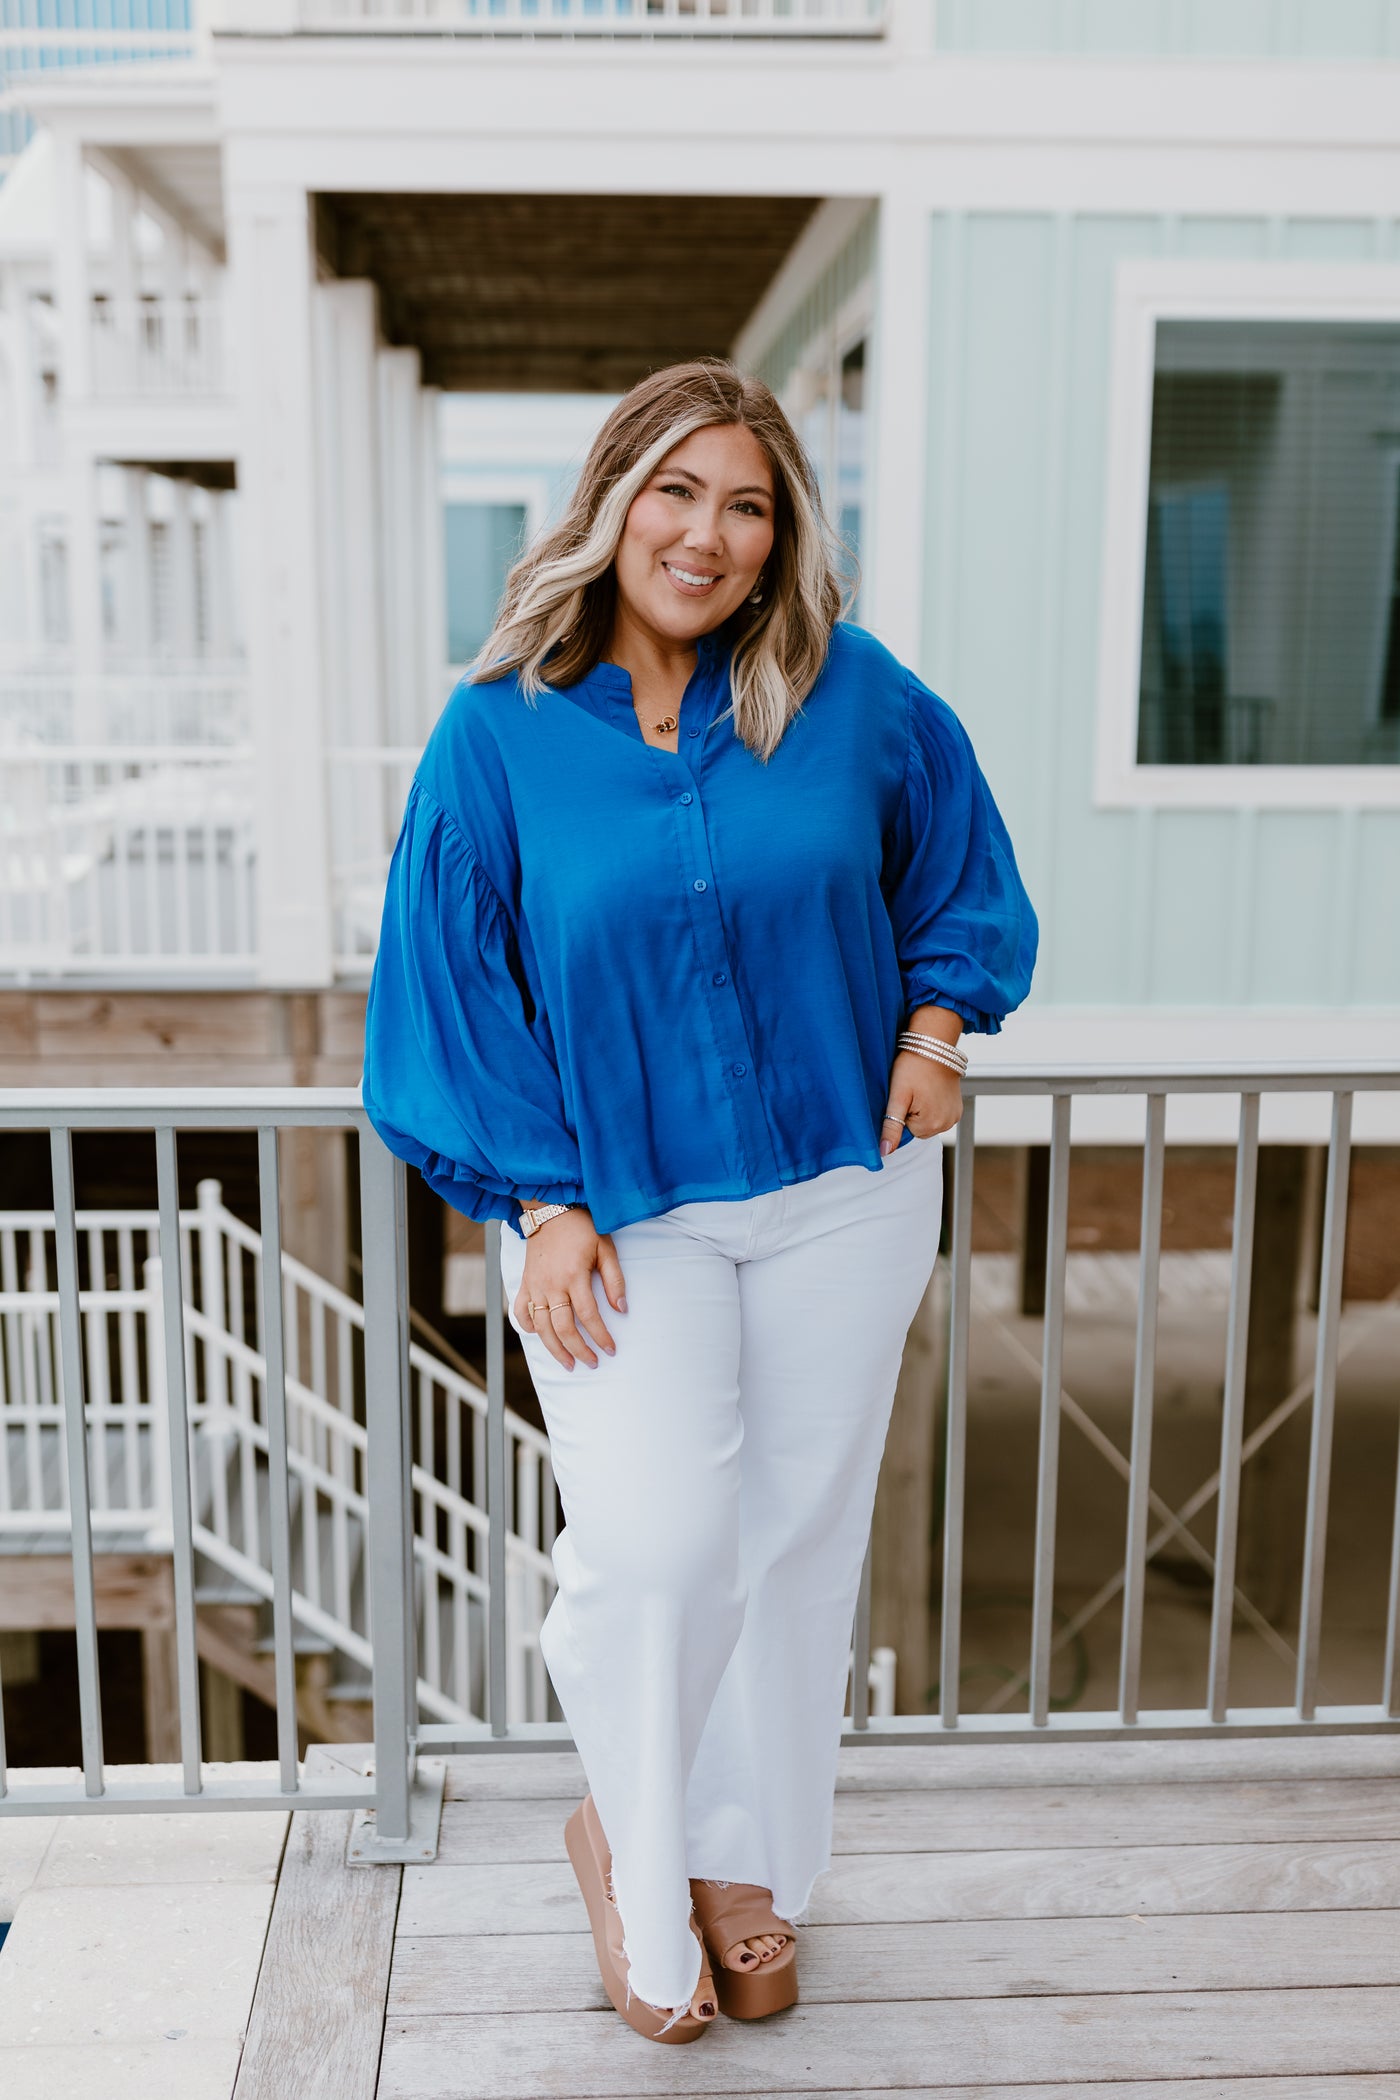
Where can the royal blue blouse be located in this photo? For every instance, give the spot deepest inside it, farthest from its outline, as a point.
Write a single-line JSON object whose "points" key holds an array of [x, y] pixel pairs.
{"points": [[616, 975]]}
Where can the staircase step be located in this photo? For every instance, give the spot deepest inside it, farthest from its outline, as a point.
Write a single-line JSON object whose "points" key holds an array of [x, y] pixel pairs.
{"points": [[303, 1643], [230, 1591]]}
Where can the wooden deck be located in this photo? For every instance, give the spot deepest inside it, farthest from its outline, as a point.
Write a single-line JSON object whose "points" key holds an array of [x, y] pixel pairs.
{"points": [[1212, 1920]]}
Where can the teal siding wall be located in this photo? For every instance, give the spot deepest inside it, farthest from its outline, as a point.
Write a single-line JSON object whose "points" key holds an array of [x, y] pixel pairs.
{"points": [[1341, 29], [1168, 907]]}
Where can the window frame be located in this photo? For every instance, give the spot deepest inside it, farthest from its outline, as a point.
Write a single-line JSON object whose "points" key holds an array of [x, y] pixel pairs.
{"points": [[488, 487], [1146, 292]]}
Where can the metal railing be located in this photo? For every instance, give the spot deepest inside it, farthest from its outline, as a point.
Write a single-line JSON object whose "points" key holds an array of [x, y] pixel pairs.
{"points": [[697, 18], [400, 1738], [1059, 1090]]}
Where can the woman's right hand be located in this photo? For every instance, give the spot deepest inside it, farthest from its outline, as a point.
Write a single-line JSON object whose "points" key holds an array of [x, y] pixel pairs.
{"points": [[559, 1262]]}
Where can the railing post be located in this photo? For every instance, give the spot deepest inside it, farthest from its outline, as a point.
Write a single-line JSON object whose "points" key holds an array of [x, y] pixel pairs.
{"points": [[388, 1486]]}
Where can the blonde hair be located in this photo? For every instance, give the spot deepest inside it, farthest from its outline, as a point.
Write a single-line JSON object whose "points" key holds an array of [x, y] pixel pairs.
{"points": [[556, 615]]}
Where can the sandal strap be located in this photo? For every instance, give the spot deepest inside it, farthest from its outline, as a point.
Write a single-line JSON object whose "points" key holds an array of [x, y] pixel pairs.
{"points": [[740, 1911]]}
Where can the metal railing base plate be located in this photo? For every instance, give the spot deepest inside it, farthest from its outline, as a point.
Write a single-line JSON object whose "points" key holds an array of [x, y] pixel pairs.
{"points": [[367, 1849]]}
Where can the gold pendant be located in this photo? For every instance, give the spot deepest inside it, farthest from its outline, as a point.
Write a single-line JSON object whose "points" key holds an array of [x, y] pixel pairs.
{"points": [[665, 725]]}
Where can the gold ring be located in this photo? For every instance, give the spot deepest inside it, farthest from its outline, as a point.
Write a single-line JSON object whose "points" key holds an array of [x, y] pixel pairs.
{"points": [[895, 1119]]}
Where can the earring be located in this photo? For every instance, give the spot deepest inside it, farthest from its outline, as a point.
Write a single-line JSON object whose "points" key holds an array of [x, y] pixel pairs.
{"points": [[756, 594]]}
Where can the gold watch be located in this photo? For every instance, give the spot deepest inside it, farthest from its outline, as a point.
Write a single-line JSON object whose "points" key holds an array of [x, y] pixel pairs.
{"points": [[539, 1214]]}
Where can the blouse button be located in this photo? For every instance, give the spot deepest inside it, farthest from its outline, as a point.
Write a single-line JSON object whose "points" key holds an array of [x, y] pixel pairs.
{"points": [[720, 977], [693, 732], [701, 883], [687, 799], [739, 1071]]}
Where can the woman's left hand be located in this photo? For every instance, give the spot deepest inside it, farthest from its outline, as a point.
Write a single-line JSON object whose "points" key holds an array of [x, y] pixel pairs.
{"points": [[925, 1095]]}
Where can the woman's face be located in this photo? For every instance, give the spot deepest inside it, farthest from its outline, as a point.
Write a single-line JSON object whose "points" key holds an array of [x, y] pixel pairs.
{"points": [[697, 535]]}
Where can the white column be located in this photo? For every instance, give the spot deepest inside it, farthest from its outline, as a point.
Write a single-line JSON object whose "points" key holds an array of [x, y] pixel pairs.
{"points": [[354, 641], [184, 636], [71, 264], [218, 578], [136, 625], [398, 540], [122, 281], [82, 544], [24, 378], [270, 286], [432, 597], [895, 572]]}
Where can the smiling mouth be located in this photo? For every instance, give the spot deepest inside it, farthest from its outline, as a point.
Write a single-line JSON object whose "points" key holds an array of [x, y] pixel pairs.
{"points": [[697, 582]]}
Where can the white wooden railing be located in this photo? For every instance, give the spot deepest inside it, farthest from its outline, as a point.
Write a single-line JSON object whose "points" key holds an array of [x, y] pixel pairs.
{"points": [[724, 18], [368, 789], [157, 345], [225, 1375], [126, 822]]}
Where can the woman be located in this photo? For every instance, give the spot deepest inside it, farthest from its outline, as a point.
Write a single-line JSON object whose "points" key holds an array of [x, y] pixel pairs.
{"points": [[684, 860]]}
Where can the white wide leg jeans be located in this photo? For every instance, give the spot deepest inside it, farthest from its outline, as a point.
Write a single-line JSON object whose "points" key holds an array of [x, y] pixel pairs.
{"points": [[718, 1476]]}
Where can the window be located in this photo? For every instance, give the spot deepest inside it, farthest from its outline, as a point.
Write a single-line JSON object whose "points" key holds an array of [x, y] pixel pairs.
{"points": [[1250, 646], [481, 542], [1271, 566]]}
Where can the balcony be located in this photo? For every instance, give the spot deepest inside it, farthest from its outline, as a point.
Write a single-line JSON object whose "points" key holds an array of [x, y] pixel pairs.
{"points": [[126, 825], [159, 347], [1100, 1886], [566, 18]]}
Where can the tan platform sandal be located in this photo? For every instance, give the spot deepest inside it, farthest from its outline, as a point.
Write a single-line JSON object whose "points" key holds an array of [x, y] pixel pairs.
{"points": [[730, 1912], [592, 1864]]}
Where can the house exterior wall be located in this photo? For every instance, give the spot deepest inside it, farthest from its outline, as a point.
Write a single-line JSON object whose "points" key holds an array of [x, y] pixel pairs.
{"points": [[1340, 29], [1167, 907]]}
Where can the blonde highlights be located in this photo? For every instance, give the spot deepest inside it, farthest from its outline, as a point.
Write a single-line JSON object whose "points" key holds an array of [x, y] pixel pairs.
{"points": [[556, 616]]}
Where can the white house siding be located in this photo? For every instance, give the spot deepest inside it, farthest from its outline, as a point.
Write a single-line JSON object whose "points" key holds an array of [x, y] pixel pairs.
{"points": [[1342, 29], [1174, 907]]}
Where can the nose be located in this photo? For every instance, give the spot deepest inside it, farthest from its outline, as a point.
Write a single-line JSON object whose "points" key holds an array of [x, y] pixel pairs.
{"points": [[703, 532]]}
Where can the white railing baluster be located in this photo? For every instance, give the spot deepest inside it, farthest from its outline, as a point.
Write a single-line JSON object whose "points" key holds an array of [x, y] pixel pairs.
{"points": [[13, 1326], [99, 1389], [38, 1377], [135, 1413]]}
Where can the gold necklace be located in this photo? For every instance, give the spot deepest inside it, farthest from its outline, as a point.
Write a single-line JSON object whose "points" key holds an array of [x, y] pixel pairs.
{"points": [[665, 725]]}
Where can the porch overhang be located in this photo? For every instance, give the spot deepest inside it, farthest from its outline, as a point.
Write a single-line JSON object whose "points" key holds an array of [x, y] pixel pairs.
{"points": [[559, 293]]}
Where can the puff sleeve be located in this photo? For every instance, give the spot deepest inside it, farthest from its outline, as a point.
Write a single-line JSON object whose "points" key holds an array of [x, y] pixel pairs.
{"points": [[965, 931], [459, 1077]]}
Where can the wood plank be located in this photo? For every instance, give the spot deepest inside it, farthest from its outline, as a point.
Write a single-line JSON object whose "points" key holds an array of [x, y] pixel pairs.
{"points": [[1273, 1812], [974, 2042], [1089, 1881], [890, 1767], [132, 1589], [151, 1027], [886, 1766], [318, 2013], [1012, 1958], [1382, 2086]]}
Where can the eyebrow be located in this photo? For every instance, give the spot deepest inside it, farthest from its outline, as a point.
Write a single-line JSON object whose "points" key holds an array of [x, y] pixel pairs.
{"points": [[750, 488]]}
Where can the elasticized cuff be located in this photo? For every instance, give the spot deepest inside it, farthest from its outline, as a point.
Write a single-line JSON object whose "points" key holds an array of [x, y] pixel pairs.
{"points": [[975, 1019]]}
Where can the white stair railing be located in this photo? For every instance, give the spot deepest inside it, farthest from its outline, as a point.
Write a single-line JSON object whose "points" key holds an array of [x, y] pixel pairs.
{"points": [[225, 1373]]}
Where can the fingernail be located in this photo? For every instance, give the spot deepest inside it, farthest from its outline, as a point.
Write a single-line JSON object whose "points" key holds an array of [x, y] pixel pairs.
{"points": [[611, 1348], [886, 1146], [622, 1304]]}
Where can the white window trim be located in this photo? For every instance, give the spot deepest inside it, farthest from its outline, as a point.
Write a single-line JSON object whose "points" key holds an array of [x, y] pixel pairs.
{"points": [[467, 485], [1146, 292]]}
